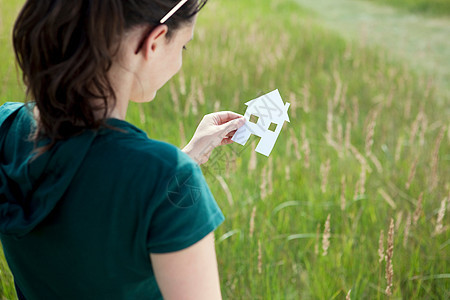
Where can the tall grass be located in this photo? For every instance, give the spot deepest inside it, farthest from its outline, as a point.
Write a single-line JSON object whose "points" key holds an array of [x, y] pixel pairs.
{"points": [[10, 90], [367, 140]]}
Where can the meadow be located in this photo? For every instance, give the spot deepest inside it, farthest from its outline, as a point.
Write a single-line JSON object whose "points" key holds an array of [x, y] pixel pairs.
{"points": [[352, 202], [428, 7]]}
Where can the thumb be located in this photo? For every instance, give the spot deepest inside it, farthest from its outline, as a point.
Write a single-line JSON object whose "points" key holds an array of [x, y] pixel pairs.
{"points": [[232, 125]]}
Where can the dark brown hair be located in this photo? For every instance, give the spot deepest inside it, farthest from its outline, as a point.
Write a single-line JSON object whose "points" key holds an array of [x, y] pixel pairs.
{"points": [[65, 49]]}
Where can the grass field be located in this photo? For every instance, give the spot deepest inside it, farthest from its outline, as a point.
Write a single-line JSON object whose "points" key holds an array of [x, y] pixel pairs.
{"points": [[366, 154], [428, 7]]}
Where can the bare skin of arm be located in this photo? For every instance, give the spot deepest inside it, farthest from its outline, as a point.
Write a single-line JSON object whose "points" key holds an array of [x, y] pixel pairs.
{"points": [[190, 273]]}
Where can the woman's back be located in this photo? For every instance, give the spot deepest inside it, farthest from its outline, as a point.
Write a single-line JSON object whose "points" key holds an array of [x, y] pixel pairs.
{"points": [[80, 220]]}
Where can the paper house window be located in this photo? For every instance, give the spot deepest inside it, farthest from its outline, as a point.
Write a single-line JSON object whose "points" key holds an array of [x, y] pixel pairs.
{"points": [[271, 113], [254, 119], [272, 127]]}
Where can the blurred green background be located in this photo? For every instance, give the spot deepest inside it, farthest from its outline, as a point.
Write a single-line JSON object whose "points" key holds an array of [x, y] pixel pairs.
{"points": [[367, 145], [430, 7]]}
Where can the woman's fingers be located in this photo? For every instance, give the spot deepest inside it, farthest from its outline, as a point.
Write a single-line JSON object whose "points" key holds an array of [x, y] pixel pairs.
{"points": [[226, 141], [232, 125], [223, 117], [214, 130], [230, 134]]}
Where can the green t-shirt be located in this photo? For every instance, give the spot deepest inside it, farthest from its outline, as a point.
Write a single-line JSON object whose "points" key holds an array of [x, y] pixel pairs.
{"points": [[80, 221]]}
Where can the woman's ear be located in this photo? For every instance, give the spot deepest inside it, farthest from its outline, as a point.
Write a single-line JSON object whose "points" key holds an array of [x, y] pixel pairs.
{"points": [[154, 40]]}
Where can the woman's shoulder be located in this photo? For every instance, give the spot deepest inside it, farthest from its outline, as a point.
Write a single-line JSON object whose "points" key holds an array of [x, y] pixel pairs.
{"points": [[131, 145], [8, 109]]}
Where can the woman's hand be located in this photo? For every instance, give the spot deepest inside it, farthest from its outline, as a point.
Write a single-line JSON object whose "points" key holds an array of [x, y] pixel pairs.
{"points": [[214, 130]]}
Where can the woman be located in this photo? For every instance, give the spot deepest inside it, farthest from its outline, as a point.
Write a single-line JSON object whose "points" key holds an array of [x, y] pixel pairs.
{"points": [[90, 207]]}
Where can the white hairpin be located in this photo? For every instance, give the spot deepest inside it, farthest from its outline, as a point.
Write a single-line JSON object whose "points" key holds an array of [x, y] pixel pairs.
{"points": [[174, 10]]}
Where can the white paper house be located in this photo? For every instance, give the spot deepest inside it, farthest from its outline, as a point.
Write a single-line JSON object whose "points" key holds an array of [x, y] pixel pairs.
{"points": [[265, 117]]}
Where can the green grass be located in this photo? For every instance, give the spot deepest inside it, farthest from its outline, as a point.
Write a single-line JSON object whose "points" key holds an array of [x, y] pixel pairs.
{"points": [[428, 7], [10, 90], [245, 48]]}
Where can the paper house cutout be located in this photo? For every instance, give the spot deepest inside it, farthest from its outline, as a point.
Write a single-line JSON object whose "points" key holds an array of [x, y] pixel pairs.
{"points": [[270, 112]]}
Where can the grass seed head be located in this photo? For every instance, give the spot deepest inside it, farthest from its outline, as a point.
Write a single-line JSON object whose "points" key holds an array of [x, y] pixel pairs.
{"points": [[355, 106], [439, 222], [324, 171], [381, 247], [287, 170], [182, 82], [343, 200], [415, 127], [306, 96], [253, 160], [306, 148], [263, 185], [406, 231], [293, 101], [329, 133], [182, 133], [270, 176], [252, 221], [418, 212], [347, 297], [398, 219], [369, 136], [259, 257], [435, 159], [316, 245], [348, 131], [326, 236], [175, 98], [398, 149], [340, 136], [389, 255], [412, 172], [295, 143]]}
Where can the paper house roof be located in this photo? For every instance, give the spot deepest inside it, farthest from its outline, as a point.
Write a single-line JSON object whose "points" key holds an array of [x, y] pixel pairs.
{"points": [[269, 106]]}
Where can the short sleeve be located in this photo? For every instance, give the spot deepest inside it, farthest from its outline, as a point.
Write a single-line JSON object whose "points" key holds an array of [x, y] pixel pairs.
{"points": [[186, 213]]}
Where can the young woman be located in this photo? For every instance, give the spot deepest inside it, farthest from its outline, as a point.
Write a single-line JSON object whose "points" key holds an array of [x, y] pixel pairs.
{"points": [[90, 207]]}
